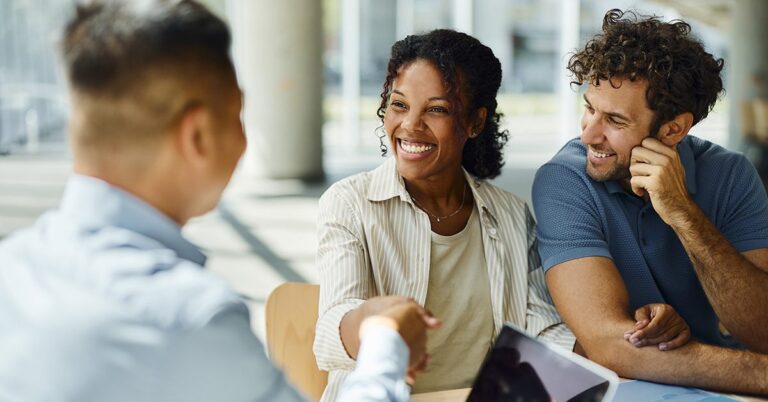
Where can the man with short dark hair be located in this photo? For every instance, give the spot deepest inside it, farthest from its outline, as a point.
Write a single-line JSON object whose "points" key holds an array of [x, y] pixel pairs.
{"points": [[103, 299], [638, 212]]}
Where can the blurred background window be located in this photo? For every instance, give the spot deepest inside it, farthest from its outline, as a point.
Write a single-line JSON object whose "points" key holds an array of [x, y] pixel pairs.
{"points": [[32, 101], [529, 37], [541, 110]]}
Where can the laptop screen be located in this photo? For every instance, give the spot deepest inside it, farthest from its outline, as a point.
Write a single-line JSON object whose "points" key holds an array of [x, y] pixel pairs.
{"points": [[519, 368]]}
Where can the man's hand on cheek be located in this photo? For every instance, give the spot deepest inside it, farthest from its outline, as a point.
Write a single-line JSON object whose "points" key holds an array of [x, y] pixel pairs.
{"points": [[658, 173]]}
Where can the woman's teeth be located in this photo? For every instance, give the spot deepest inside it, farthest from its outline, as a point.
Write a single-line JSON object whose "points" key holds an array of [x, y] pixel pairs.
{"points": [[415, 147]]}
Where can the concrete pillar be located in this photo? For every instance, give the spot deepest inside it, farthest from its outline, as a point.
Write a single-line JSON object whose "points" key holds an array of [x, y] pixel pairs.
{"points": [[748, 55], [278, 52]]}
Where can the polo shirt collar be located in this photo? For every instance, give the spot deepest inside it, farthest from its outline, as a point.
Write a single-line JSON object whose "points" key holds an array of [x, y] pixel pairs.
{"points": [[96, 203], [689, 165], [386, 183]]}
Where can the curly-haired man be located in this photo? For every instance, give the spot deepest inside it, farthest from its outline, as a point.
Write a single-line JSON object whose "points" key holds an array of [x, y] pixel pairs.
{"points": [[638, 212]]}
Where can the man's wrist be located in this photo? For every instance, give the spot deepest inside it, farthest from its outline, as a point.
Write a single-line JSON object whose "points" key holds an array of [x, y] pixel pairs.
{"points": [[371, 323], [381, 344], [686, 217]]}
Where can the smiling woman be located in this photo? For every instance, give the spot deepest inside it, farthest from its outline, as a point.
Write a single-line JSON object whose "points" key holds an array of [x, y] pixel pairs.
{"points": [[426, 226], [427, 143]]}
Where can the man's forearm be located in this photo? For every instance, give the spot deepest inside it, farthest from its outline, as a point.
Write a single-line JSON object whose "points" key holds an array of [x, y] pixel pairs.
{"points": [[590, 295], [694, 364], [735, 287]]}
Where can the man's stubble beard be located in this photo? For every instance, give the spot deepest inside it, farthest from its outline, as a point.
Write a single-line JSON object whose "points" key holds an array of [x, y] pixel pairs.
{"points": [[619, 171]]}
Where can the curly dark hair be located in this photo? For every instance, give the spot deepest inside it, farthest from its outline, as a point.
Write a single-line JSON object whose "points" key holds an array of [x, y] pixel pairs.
{"points": [[682, 76], [469, 68]]}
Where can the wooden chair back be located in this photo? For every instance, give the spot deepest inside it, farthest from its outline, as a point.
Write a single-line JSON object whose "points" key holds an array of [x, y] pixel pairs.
{"points": [[291, 315]]}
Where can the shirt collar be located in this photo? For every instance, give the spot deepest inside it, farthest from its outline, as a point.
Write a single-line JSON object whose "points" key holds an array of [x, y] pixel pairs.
{"points": [[96, 203], [689, 165], [386, 183]]}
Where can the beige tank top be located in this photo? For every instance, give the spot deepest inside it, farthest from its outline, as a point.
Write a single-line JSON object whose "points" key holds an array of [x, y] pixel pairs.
{"points": [[459, 295]]}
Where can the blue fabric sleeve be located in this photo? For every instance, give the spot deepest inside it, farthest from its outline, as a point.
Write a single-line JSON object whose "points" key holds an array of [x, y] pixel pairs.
{"points": [[745, 222], [570, 223]]}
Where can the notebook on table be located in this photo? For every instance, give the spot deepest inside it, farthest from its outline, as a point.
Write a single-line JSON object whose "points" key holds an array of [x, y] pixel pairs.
{"points": [[521, 368]]}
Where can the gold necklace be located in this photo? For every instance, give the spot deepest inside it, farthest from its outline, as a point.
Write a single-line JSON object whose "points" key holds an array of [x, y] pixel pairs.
{"points": [[442, 218]]}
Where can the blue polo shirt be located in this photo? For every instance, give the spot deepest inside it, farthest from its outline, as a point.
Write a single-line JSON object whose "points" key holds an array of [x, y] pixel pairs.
{"points": [[579, 217]]}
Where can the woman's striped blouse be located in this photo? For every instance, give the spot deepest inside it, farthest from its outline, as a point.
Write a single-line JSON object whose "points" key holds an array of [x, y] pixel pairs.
{"points": [[374, 241]]}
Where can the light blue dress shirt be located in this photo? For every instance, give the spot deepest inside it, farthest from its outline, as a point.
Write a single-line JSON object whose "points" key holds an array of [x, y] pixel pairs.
{"points": [[104, 300]]}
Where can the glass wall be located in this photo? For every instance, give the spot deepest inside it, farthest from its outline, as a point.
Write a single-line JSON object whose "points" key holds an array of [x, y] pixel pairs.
{"points": [[32, 102], [525, 35]]}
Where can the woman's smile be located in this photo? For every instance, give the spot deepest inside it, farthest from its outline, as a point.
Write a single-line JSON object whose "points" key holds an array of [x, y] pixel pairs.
{"points": [[413, 149]]}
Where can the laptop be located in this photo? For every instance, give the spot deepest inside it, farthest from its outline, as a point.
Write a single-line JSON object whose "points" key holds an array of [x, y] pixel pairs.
{"points": [[521, 368]]}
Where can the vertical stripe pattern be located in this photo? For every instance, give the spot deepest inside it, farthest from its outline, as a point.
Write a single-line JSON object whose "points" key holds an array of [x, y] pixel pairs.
{"points": [[372, 240]]}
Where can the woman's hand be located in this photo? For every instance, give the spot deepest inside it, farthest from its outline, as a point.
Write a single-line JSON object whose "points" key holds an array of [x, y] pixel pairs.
{"points": [[377, 305], [658, 324]]}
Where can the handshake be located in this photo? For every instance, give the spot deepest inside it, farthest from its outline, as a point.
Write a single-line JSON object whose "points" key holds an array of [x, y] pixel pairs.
{"points": [[409, 319]]}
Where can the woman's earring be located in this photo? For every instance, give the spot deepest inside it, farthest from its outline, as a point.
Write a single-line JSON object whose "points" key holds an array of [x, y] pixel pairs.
{"points": [[472, 135]]}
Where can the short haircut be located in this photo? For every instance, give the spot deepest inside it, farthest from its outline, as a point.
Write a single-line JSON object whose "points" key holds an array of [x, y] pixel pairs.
{"points": [[681, 75], [132, 65], [108, 44]]}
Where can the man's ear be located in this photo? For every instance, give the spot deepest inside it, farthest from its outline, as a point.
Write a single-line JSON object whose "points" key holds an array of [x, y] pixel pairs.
{"points": [[673, 131], [189, 133]]}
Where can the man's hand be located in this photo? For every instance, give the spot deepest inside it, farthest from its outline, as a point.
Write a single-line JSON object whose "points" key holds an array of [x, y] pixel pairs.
{"points": [[352, 322], [411, 321], [658, 173], [658, 324]]}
